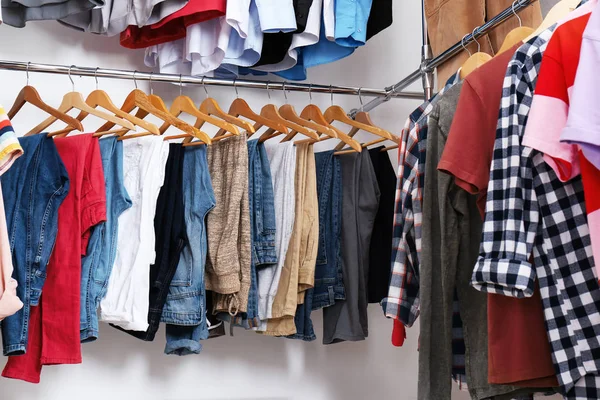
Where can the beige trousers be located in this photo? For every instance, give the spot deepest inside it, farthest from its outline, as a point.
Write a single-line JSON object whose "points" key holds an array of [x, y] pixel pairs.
{"points": [[298, 273]]}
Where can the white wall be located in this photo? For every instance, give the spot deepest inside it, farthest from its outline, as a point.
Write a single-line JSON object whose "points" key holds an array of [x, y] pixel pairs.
{"points": [[247, 366]]}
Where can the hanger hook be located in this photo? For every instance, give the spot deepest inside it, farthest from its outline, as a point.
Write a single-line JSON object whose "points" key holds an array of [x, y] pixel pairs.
{"points": [[134, 80], [310, 92], [284, 93], [331, 93], [360, 99], [514, 12], [151, 88], [180, 85], [27, 72], [237, 95], [204, 86], [463, 44], [70, 78], [96, 76], [476, 41], [269, 90]]}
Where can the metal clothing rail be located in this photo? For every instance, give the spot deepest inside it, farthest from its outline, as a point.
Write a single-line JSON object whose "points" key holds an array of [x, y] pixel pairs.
{"points": [[237, 83], [428, 65]]}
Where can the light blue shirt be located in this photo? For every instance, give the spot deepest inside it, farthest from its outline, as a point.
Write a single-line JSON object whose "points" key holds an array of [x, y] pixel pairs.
{"points": [[243, 52], [276, 15], [351, 18]]}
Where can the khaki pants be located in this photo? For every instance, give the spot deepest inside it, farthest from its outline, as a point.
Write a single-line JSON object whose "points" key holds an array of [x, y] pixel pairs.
{"points": [[449, 20], [298, 271]]}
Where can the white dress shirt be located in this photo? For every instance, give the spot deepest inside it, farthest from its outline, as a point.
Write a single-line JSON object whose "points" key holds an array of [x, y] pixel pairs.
{"points": [[199, 53]]}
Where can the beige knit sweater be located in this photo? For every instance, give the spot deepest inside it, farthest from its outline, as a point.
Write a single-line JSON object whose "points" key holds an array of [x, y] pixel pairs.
{"points": [[228, 226]]}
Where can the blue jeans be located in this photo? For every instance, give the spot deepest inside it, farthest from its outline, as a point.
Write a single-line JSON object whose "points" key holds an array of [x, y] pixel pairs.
{"points": [[329, 284], [304, 325], [185, 309], [262, 225], [33, 189], [102, 247]]}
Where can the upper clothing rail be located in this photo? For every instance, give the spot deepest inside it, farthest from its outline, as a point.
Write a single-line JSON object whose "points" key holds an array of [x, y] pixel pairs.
{"points": [[428, 65], [205, 81]]}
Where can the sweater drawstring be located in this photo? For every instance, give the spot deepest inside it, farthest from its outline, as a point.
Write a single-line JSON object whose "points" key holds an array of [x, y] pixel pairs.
{"points": [[234, 305]]}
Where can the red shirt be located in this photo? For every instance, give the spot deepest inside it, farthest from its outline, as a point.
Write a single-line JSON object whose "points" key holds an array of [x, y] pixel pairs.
{"points": [[174, 26], [518, 348], [54, 324]]}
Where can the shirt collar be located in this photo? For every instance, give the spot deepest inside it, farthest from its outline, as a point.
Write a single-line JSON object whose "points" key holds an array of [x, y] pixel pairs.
{"points": [[424, 109]]}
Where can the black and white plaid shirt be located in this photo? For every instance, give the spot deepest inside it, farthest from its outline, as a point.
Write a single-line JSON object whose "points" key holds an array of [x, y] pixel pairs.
{"points": [[529, 210]]}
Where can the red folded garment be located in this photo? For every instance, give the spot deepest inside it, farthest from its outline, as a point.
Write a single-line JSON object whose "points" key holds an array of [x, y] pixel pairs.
{"points": [[398, 334], [174, 26], [54, 325]]}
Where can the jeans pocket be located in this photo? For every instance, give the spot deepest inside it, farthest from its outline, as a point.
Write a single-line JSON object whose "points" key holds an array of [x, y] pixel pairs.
{"points": [[184, 274], [183, 307]]}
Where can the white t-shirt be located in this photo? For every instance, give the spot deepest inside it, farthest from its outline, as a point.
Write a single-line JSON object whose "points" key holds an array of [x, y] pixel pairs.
{"points": [[329, 18], [309, 37], [200, 52], [127, 299], [282, 161], [238, 16]]}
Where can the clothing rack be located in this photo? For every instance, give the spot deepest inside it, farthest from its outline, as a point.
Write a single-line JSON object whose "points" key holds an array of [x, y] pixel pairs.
{"points": [[204, 81], [429, 64]]}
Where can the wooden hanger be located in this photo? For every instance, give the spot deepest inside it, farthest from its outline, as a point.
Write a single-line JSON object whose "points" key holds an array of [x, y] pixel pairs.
{"points": [[240, 107], [364, 118], [30, 95], [337, 113], [287, 115], [271, 111], [312, 112], [475, 60], [310, 118], [183, 104], [99, 98], [559, 11], [211, 107], [515, 36], [154, 105], [74, 100]]}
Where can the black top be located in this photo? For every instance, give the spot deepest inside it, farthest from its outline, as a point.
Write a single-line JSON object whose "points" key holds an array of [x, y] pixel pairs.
{"points": [[276, 45], [380, 252], [380, 18]]}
